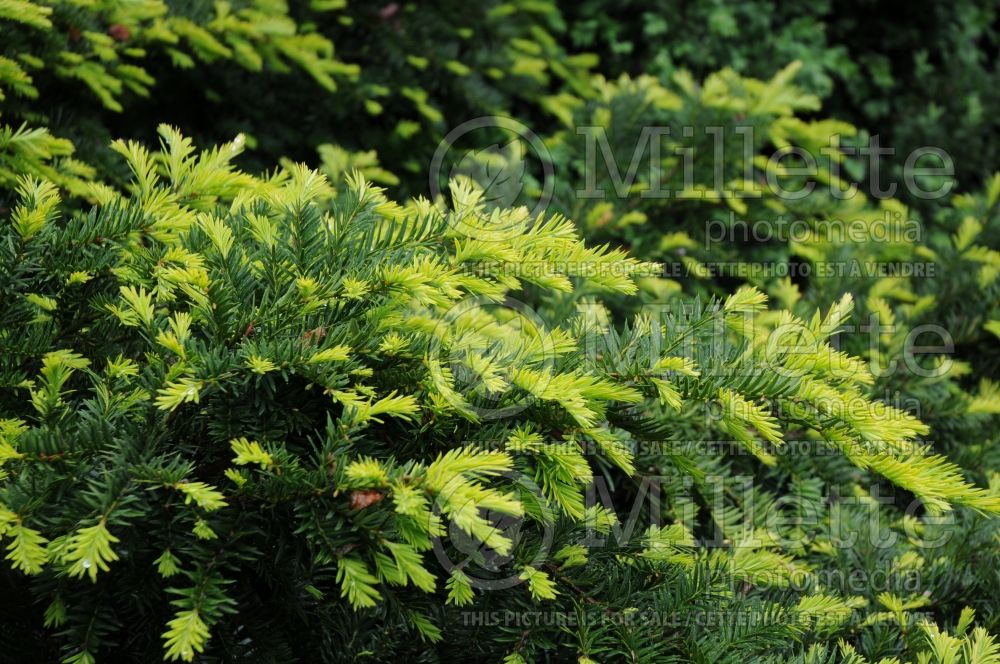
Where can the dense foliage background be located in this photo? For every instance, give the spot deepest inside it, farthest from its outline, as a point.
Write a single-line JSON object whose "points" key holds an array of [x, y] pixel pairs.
{"points": [[301, 396]]}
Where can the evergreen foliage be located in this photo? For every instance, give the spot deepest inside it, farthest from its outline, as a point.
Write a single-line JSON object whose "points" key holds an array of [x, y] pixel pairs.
{"points": [[268, 393], [253, 409]]}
